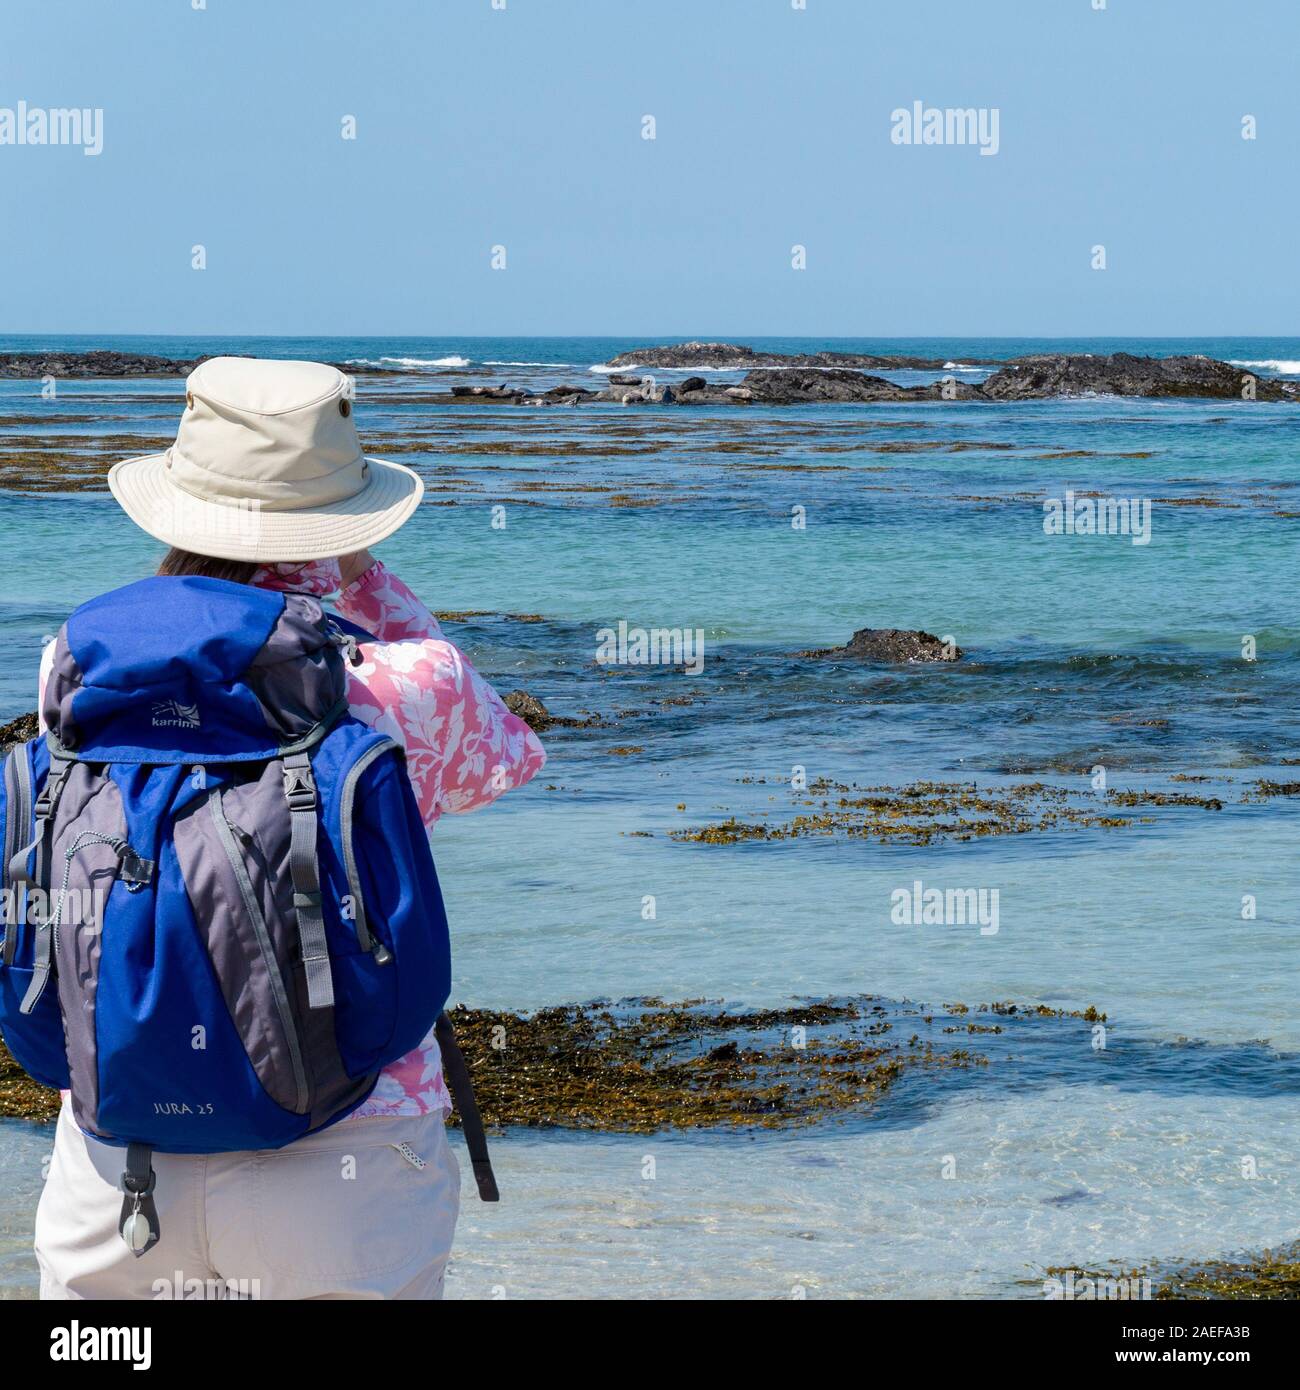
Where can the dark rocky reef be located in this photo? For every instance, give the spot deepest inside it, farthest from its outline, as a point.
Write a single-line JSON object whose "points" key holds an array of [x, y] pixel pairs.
{"points": [[891, 644], [94, 364], [103, 363], [1122, 374], [800, 386], [1041, 377], [733, 356], [774, 378], [827, 376]]}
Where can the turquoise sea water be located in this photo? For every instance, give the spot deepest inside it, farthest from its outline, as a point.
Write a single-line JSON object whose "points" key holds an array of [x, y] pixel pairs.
{"points": [[1082, 652]]}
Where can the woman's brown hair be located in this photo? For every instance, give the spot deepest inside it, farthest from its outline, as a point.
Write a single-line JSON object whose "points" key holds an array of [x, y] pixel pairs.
{"points": [[178, 561]]}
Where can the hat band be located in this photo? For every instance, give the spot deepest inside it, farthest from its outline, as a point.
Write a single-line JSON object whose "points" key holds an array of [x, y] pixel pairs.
{"points": [[266, 494]]}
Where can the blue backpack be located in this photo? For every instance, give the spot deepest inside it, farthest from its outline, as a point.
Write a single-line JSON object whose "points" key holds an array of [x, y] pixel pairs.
{"points": [[221, 915]]}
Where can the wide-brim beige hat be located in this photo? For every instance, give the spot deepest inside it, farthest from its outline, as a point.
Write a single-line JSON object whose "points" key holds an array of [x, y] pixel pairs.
{"points": [[266, 466]]}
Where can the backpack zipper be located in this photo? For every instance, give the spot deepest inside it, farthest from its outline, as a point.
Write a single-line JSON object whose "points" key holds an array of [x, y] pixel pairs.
{"points": [[254, 909], [365, 939]]}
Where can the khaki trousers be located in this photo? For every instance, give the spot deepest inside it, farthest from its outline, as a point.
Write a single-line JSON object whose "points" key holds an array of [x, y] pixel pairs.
{"points": [[346, 1213]]}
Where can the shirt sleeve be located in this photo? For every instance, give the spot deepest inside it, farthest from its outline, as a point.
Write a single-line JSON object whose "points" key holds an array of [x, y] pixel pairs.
{"points": [[464, 748], [378, 601]]}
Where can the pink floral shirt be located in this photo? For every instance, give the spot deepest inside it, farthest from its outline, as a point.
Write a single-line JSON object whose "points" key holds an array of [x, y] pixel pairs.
{"points": [[463, 746]]}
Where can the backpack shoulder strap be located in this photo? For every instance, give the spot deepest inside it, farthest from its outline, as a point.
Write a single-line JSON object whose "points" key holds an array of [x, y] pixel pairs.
{"points": [[304, 868]]}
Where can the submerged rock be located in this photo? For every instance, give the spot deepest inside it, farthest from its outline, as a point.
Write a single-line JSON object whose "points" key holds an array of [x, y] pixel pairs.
{"points": [[529, 708], [892, 644]]}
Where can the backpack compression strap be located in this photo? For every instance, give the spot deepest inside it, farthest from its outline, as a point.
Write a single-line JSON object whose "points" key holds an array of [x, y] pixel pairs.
{"points": [[462, 1092], [300, 792]]}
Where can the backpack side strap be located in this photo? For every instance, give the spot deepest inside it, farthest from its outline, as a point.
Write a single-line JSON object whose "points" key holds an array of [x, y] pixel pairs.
{"points": [[304, 868], [46, 805], [462, 1092]]}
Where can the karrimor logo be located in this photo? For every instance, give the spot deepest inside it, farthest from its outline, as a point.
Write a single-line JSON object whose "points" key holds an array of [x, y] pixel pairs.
{"points": [[53, 125], [920, 124], [171, 714]]}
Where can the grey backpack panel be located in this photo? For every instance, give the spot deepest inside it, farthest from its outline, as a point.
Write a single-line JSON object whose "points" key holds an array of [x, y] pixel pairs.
{"points": [[233, 846], [88, 818], [297, 677], [232, 904]]}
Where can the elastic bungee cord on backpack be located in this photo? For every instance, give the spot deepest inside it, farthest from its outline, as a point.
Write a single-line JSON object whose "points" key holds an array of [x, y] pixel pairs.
{"points": [[135, 877]]}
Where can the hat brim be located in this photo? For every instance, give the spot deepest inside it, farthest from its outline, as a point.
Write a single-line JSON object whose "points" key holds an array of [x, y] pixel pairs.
{"points": [[146, 494]]}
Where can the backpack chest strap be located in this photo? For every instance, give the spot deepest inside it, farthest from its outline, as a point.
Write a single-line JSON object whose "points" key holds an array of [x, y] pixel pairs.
{"points": [[304, 869]]}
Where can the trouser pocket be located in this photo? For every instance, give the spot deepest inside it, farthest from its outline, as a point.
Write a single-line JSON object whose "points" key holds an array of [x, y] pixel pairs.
{"points": [[363, 1198]]}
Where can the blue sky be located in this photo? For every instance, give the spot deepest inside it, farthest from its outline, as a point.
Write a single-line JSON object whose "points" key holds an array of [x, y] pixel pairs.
{"points": [[522, 127]]}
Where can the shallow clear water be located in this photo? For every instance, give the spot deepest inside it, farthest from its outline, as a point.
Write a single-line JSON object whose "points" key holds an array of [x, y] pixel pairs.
{"points": [[1081, 652], [1068, 1177]]}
